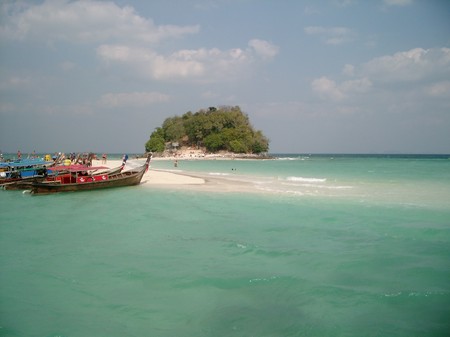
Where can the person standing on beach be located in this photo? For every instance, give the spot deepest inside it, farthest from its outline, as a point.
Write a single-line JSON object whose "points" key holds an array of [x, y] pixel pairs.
{"points": [[124, 159], [104, 157]]}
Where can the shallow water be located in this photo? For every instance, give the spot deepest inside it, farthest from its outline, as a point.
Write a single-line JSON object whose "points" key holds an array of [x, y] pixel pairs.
{"points": [[420, 181], [305, 259]]}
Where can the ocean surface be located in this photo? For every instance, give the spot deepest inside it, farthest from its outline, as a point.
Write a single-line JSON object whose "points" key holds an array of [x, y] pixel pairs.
{"points": [[317, 245]]}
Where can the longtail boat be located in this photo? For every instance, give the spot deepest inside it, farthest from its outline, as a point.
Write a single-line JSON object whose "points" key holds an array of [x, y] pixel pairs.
{"points": [[62, 173], [23, 170], [114, 170], [79, 180]]}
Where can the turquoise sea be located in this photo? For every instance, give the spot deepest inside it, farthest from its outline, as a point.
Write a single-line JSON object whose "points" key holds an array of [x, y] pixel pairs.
{"points": [[314, 245]]}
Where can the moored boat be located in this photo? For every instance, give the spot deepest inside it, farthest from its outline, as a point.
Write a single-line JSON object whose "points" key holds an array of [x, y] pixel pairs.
{"points": [[113, 170], [23, 170], [63, 173], [79, 180]]}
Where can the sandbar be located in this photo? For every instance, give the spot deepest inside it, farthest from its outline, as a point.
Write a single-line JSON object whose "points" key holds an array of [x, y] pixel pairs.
{"points": [[180, 180], [153, 176]]}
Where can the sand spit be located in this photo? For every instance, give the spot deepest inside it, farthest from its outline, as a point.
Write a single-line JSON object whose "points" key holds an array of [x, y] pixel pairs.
{"points": [[157, 178]]}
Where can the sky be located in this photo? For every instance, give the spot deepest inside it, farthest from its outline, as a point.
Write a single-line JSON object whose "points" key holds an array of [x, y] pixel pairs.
{"points": [[330, 76]]}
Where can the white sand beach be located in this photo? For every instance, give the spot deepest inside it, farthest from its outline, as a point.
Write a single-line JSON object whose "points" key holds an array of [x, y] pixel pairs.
{"points": [[164, 179], [154, 177]]}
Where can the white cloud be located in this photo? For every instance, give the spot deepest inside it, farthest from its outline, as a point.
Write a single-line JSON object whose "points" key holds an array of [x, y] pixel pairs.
{"points": [[6, 107], [328, 88], [15, 82], [414, 77], [147, 63], [332, 35], [119, 53], [131, 99], [360, 85], [412, 65], [206, 65], [178, 65], [210, 94], [349, 70], [59, 110], [344, 3], [398, 2], [439, 89], [67, 65], [125, 39], [83, 21], [264, 48], [310, 10]]}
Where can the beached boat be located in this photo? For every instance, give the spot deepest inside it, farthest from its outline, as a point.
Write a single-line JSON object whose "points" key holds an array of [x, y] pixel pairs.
{"points": [[79, 180], [113, 170]]}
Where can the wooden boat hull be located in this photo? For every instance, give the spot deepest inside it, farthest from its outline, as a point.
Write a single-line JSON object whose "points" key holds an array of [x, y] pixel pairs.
{"points": [[114, 170], [23, 184], [26, 183], [118, 180], [22, 170], [10, 180], [127, 178]]}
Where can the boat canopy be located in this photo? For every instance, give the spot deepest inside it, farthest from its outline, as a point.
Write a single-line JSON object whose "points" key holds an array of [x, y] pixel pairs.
{"points": [[25, 163], [77, 168]]}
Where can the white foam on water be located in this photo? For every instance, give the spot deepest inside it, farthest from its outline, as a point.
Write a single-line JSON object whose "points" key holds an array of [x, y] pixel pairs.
{"points": [[329, 187], [310, 180], [218, 174]]}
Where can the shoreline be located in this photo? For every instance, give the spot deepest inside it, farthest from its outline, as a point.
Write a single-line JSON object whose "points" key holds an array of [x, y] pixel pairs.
{"points": [[216, 156], [161, 178], [154, 176]]}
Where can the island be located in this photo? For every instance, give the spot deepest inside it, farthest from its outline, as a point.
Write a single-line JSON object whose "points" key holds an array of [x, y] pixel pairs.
{"points": [[214, 132]]}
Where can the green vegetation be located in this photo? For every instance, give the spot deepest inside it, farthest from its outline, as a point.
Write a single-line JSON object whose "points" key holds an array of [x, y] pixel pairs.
{"points": [[222, 129]]}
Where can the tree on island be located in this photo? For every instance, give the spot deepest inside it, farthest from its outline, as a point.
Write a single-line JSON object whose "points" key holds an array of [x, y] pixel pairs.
{"points": [[215, 129]]}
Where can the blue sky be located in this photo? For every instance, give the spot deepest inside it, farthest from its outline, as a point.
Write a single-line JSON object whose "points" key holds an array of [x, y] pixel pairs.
{"points": [[337, 76]]}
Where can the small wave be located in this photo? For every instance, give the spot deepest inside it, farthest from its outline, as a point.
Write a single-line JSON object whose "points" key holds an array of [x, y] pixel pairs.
{"points": [[393, 294], [218, 174], [292, 158], [287, 158], [416, 294], [280, 191], [307, 180], [338, 187], [263, 279]]}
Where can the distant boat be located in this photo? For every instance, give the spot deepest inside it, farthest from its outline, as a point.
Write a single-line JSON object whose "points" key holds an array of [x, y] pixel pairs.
{"points": [[79, 180]]}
